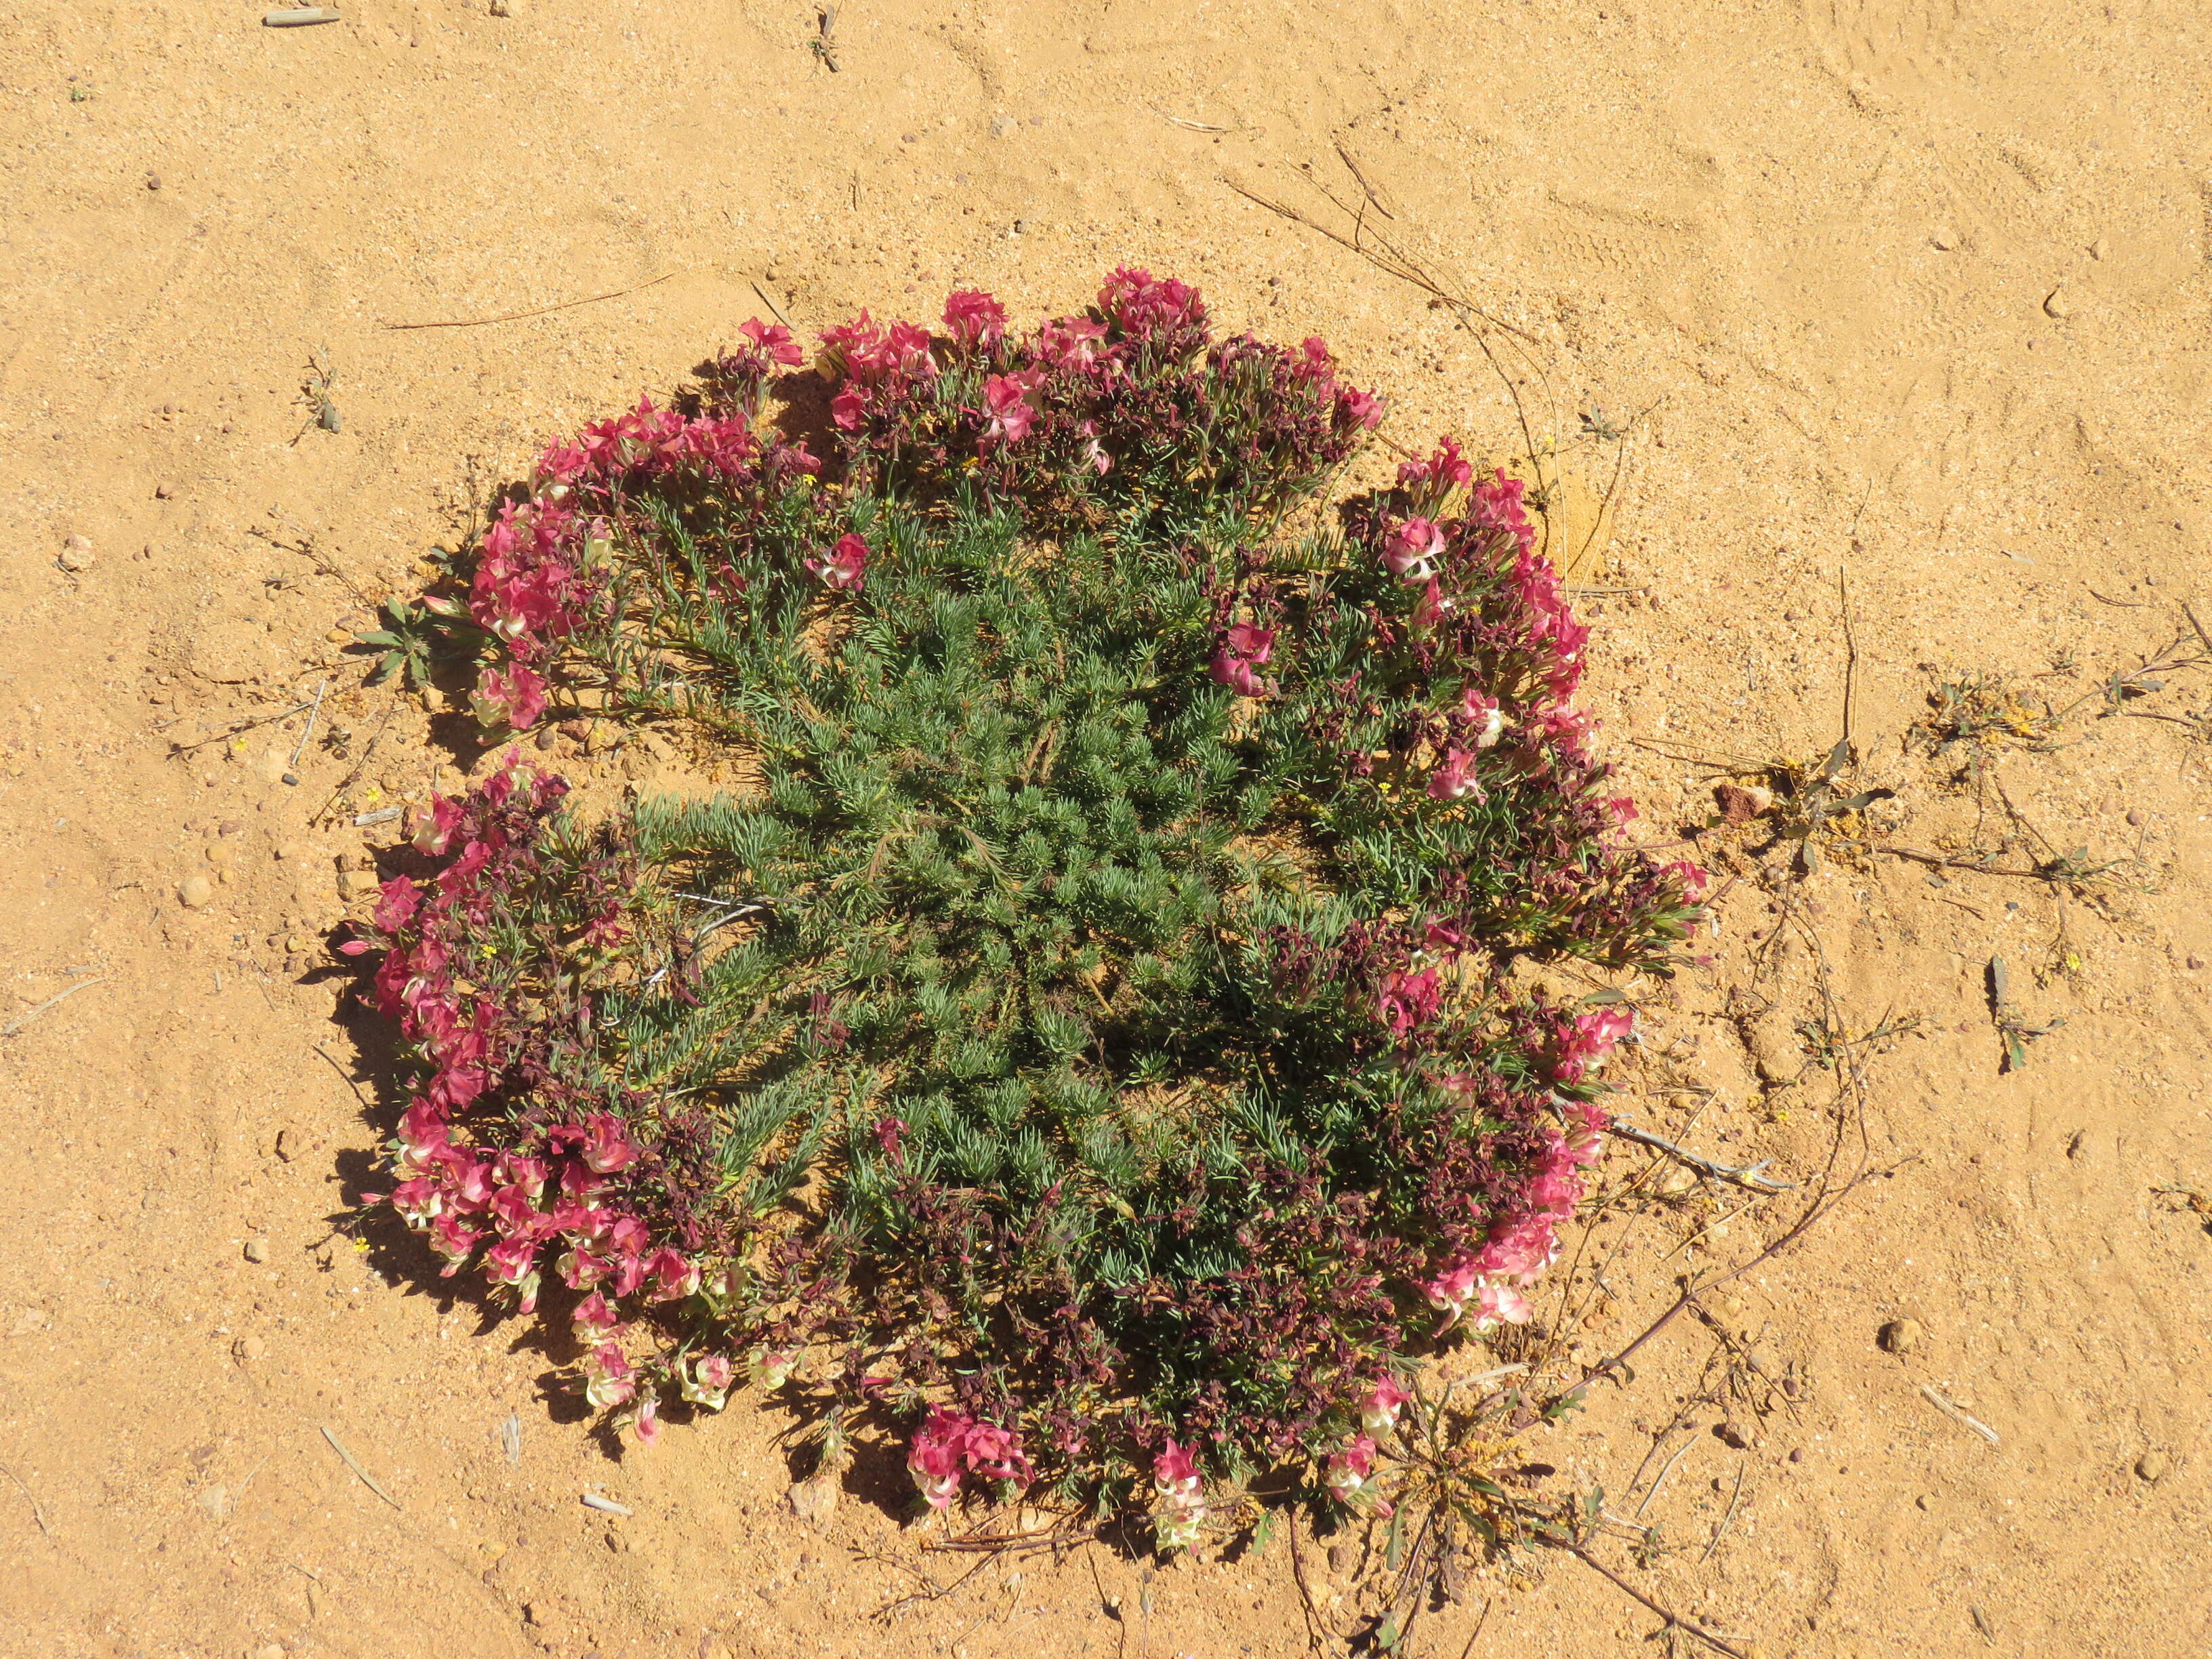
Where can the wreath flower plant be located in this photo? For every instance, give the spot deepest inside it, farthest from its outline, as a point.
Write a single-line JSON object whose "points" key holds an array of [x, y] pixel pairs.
{"points": [[1090, 1053]]}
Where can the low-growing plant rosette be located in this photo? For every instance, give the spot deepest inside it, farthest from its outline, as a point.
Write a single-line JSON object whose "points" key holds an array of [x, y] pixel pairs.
{"points": [[1092, 1045]]}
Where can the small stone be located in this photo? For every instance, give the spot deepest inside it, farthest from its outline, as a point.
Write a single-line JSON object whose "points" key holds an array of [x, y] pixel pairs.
{"points": [[153, 181], [1341, 1558], [2055, 304], [1682, 1101], [194, 891], [2194, 963], [814, 1499], [215, 1500], [1741, 804], [502, 8], [286, 1144], [338, 636], [221, 853], [2151, 1465], [1925, 1501], [1901, 1335], [297, 944], [257, 1249], [1730, 1307], [290, 851], [1944, 237], [249, 1347], [167, 490], [1730, 1434], [76, 553], [1001, 125], [1775, 1051], [269, 1650], [1796, 1454], [356, 884], [1679, 1179], [2134, 817], [2100, 248]]}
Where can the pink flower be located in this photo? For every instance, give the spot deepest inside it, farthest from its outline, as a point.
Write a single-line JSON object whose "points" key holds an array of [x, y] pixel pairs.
{"points": [[1378, 1413], [604, 1148], [1175, 1477], [418, 1201], [1412, 550], [593, 1322], [974, 318], [514, 698], [772, 1367], [1351, 1470], [1072, 343], [849, 407], [647, 1421], [1483, 713], [773, 341], [454, 1241], [434, 831], [1094, 455], [396, 906], [518, 1170], [608, 1379], [1694, 880], [708, 1381], [1243, 647], [508, 1261], [1584, 1045], [1007, 403], [1428, 483], [843, 569], [1358, 408], [933, 1459], [1454, 778], [1181, 1492], [673, 1278]]}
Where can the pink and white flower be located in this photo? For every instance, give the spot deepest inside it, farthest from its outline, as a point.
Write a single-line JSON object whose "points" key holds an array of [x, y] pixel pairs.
{"points": [[707, 1380], [1181, 1492], [1378, 1413], [845, 567], [609, 1380], [1412, 551]]}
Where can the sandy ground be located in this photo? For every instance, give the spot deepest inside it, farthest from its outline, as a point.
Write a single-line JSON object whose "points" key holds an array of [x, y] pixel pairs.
{"points": [[1917, 289]]}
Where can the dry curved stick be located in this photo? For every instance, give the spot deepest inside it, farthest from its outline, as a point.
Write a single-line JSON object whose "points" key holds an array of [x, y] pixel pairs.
{"points": [[541, 311], [1745, 1176], [1675, 1620]]}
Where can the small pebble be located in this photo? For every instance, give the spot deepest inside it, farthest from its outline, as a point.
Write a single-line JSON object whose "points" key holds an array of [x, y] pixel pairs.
{"points": [[271, 1650], [1731, 1435], [2150, 1466], [257, 1249], [194, 891], [153, 181], [1901, 1335], [249, 1347], [1944, 237], [2134, 817], [1796, 1454], [167, 490], [2194, 962], [502, 8], [355, 883], [2098, 248], [76, 553], [2055, 304]]}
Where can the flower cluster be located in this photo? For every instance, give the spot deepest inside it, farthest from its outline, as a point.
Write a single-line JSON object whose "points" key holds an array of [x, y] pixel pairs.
{"points": [[952, 1445], [1111, 404]]}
